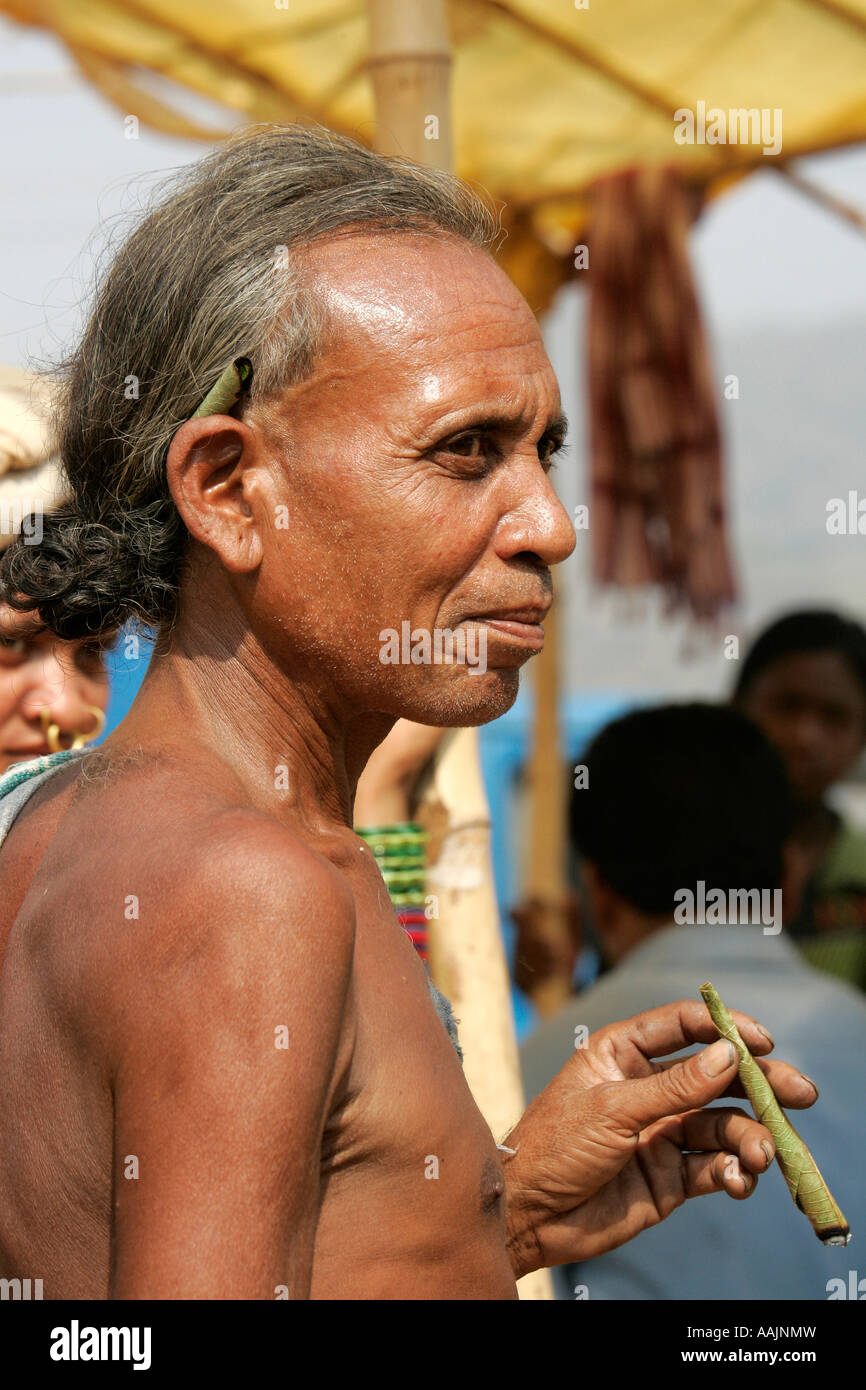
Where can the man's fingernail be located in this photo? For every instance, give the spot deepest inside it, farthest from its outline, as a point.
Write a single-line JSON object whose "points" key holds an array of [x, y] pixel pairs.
{"points": [[768, 1151], [716, 1059], [811, 1083], [767, 1035]]}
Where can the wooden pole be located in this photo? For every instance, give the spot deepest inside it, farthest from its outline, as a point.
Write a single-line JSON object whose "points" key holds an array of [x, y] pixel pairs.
{"points": [[410, 67], [828, 201], [545, 881], [467, 957]]}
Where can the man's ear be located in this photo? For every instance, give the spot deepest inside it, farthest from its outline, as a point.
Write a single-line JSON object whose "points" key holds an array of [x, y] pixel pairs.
{"points": [[212, 474]]}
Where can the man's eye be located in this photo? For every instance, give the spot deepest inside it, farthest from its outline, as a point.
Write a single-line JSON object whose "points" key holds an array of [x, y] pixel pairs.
{"points": [[467, 446], [476, 450], [548, 450]]}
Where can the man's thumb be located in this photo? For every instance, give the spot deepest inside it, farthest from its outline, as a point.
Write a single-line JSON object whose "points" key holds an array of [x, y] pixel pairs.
{"points": [[686, 1086]]}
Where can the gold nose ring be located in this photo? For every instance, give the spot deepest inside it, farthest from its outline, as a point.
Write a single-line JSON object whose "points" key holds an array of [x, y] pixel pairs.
{"points": [[99, 715], [51, 730]]}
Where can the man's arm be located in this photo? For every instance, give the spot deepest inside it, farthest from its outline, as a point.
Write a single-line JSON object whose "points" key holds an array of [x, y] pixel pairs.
{"points": [[225, 1038]]}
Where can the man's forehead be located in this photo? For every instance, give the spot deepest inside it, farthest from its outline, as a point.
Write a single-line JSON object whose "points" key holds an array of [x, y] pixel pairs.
{"points": [[426, 310], [406, 275]]}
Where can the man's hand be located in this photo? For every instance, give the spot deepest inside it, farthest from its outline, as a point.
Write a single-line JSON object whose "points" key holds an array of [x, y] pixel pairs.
{"points": [[618, 1140]]}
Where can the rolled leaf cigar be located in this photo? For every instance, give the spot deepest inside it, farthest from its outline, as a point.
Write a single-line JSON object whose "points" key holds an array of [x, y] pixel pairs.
{"points": [[807, 1187], [227, 390]]}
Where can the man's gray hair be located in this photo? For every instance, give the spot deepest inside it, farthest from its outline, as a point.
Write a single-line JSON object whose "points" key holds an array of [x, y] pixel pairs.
{"points": [[208, 275]]}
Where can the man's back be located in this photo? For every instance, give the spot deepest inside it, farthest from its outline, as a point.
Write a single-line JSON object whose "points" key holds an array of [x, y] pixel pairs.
{"points": [[763, 1248], [219, 1052]]}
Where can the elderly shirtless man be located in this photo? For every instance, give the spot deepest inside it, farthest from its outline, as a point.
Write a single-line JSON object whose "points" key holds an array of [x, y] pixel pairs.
{"points": [[175, 902]]}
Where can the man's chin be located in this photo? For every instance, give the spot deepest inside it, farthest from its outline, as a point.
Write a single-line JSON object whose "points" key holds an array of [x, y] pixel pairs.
{"points": [[469, 700]]}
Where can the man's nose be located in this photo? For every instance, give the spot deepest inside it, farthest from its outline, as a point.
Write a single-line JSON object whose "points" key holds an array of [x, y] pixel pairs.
{"points": [[538, 524]]}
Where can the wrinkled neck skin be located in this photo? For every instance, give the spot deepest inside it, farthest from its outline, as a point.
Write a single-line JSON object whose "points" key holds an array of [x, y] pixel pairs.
{"points": [[214, 689]]}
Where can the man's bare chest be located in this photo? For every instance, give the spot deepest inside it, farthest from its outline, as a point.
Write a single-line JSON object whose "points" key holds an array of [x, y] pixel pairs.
{"points": [[410, 1171]]}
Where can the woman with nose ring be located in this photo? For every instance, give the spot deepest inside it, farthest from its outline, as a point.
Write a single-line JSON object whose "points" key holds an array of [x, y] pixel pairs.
{"points": [[54, 734], [53, 694]]}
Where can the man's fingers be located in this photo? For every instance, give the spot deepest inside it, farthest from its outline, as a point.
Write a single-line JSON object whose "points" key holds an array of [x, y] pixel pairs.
{"points": [[673, 1176], [690, 1084], [659, 1032], [792, 1089], [720, 1172], [730, 1130]]}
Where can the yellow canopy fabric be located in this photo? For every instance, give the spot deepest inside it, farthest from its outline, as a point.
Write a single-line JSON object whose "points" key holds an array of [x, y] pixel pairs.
{"points": [[547, 96]]}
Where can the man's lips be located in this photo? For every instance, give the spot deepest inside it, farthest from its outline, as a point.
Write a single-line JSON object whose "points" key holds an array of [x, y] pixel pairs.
{"points": [[531, 634], [521, 625]]}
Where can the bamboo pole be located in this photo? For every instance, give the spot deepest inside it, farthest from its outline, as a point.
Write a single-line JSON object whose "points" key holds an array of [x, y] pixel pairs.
{"points": [[466, 952], [828, 201], [410, 67], [467, 957], [545, 891]]}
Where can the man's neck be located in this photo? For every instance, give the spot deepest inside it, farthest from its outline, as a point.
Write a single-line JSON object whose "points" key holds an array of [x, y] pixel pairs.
{"points": [[285, 739]]}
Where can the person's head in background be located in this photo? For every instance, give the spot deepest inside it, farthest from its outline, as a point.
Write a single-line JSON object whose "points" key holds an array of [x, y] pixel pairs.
{"points": [[803, 682], [52, 694], [675, 795]]}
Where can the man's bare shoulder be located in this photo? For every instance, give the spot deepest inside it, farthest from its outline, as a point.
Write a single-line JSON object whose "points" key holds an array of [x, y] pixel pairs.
{"points": [[243, 871], [196, 887], [198, 835], [237, 860]]}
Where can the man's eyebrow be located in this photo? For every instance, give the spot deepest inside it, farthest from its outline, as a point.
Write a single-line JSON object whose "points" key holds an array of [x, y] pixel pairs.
{"points": [[556, 426]]}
